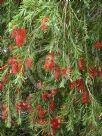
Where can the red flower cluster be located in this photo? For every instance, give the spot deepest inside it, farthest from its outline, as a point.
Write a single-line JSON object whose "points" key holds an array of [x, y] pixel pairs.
{"points": [[47, 95], [16, 64], [55, 124], [49, 62], [29, 63], [85, 97], [72, 85], [98, 45], [57, 72], [64, 72], [21, 105], [51, 65], [20, 36], [52, 105], [79, 84], [44, 22], [41, 114], [82, 64]]}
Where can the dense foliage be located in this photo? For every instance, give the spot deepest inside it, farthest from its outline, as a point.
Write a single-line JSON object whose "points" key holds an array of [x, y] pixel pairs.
{"points": [[51, 67]]}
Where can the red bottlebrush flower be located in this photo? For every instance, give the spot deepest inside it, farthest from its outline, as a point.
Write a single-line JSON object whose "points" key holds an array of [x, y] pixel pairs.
{"points": [[12, 61], [80, 84], [55, 124], [72, 85], [49, 62], [1, 86], [44, 22], [41, 114], [16, 64], [85, 97], [19, 32], [98, 45], [44, 27], [29, 63], [19, 66], [57, 72], [52, 105], [93, 72], [20, 36], [81, 64], [25, 106], [64, 72], [45, 96], [15, 68], [14, 33], [100, 71], [20, 41]]}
